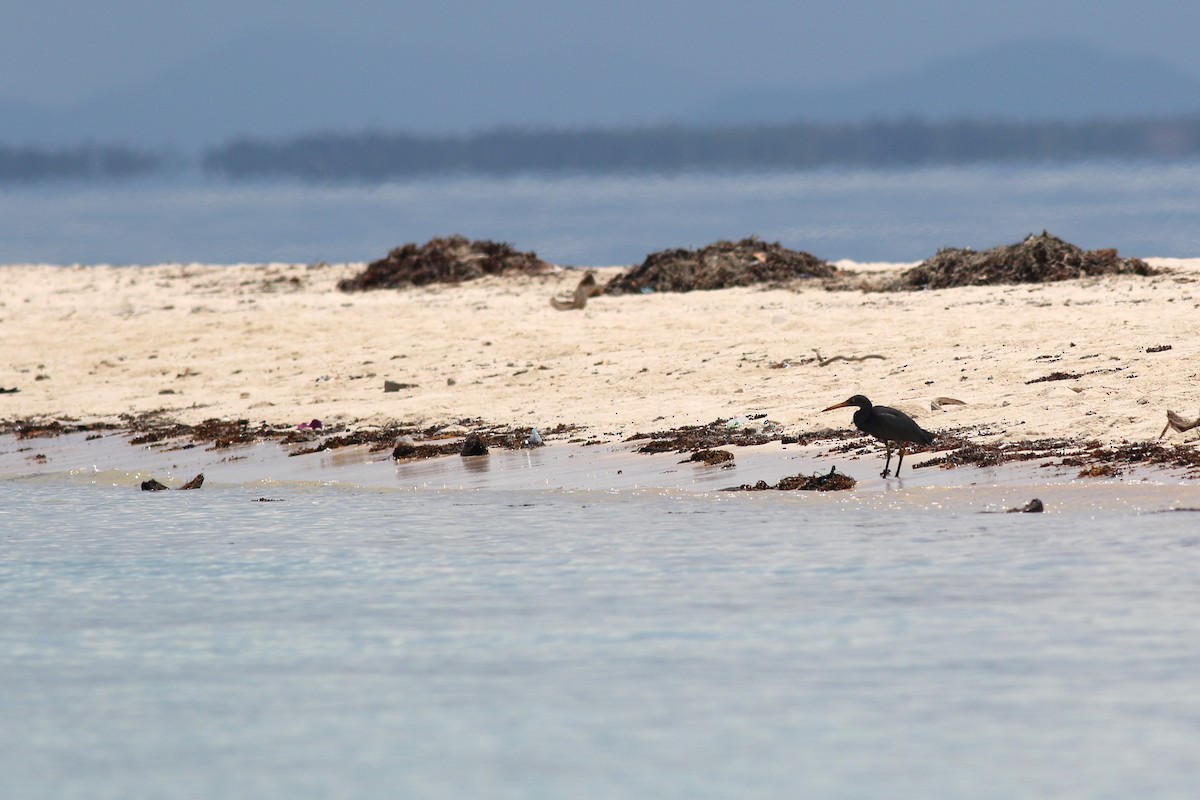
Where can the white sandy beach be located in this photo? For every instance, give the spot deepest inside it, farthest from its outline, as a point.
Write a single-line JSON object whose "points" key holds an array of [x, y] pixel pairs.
{"points": [[279, 343]]}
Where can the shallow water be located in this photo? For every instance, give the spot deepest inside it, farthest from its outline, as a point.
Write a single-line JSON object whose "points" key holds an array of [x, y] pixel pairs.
{"points": [[1143, 209], [350, 642]]}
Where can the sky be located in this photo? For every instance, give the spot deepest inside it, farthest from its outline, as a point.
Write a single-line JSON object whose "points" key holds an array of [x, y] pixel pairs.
{"points": [[59, 53]]}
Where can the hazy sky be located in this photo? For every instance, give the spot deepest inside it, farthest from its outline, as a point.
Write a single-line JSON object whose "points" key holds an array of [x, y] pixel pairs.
{"points": [[58, 52]]}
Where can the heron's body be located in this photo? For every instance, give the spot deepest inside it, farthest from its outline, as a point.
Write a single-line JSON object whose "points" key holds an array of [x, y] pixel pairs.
{"points": [[888, 425]]}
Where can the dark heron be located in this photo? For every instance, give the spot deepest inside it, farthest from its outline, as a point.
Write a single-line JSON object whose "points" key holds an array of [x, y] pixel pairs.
{"points": [[888, 425]]}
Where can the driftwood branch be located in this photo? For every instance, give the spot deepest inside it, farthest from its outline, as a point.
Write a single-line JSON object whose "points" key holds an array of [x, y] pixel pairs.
{"points": [[822, 361], [939, 403], [1178, 423], [587, 288]]}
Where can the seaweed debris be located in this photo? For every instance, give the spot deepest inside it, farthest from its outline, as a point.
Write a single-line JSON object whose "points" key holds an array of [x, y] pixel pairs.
{"points": [[1040, 258], [1092, 457], [450, 259], [718, 266], [698, 438], [711, 458], [832, 481]]}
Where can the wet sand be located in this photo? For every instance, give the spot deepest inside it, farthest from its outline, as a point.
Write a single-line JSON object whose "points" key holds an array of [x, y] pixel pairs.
{"points": [[280, 345]]}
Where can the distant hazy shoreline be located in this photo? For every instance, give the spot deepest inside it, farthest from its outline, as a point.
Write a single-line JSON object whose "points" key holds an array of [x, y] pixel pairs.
{"points": [[376, 155]]}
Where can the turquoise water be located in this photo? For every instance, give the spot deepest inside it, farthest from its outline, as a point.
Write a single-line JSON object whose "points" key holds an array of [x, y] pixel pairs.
{"points": [[349, 642], [1143, 209], [499, 632]]}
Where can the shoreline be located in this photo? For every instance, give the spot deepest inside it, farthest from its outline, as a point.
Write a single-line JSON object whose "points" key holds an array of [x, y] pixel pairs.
{"points": [[1082, 371], [272, 471]]}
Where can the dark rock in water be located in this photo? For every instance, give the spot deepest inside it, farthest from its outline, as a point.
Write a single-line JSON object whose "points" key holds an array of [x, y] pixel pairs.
{"points": [[154, 486], [1039, 259], [1034, 506], [718, 266], [473, 445], [194, 483], [450, 259]]}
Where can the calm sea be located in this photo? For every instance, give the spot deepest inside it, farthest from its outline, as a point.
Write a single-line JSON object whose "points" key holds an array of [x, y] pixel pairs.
{"points": [[1147, 209], [496, 641], [367, 643]]}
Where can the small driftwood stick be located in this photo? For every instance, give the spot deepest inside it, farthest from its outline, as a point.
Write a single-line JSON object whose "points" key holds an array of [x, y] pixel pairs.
{"points": [[822, 361], [938, 402], [1178, 423]]}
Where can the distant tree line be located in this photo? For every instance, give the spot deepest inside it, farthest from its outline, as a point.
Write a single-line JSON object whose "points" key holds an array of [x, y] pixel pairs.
{"points": [[92, 161], [379, 156]]}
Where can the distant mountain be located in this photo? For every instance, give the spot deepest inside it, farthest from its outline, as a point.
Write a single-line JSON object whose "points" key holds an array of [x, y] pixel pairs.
{"points": [[284, 83], [1028, 80]]}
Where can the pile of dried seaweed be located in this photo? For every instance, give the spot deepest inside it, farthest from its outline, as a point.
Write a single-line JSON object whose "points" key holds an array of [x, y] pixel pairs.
{"points": [[448, 259], [1039, 259], [718, 266], [832, 481]]}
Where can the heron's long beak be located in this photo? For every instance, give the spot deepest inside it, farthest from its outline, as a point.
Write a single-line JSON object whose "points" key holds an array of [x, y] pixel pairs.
{"points": [[839, 405]]}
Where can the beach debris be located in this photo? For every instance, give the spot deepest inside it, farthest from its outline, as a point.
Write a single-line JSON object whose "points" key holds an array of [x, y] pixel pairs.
{"points": [[1040, 258], [822, 361], [450, 259], [313, 425], [832, 481], [1056, 376], [691, 438], [194, 483], [1034, 506], [750, 423], [939, 403], [586, 288], [534, 439], [153, 485], [719, 266], [473, 445], [711, 458], [1099, 471], [395, 386], [1162, 348], [405, 449], [13, 390], [1178, 423]]}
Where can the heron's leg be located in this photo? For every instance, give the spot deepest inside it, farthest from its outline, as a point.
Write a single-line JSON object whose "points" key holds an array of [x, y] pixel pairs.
{"points": [[888, 462], [901, 461]]}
